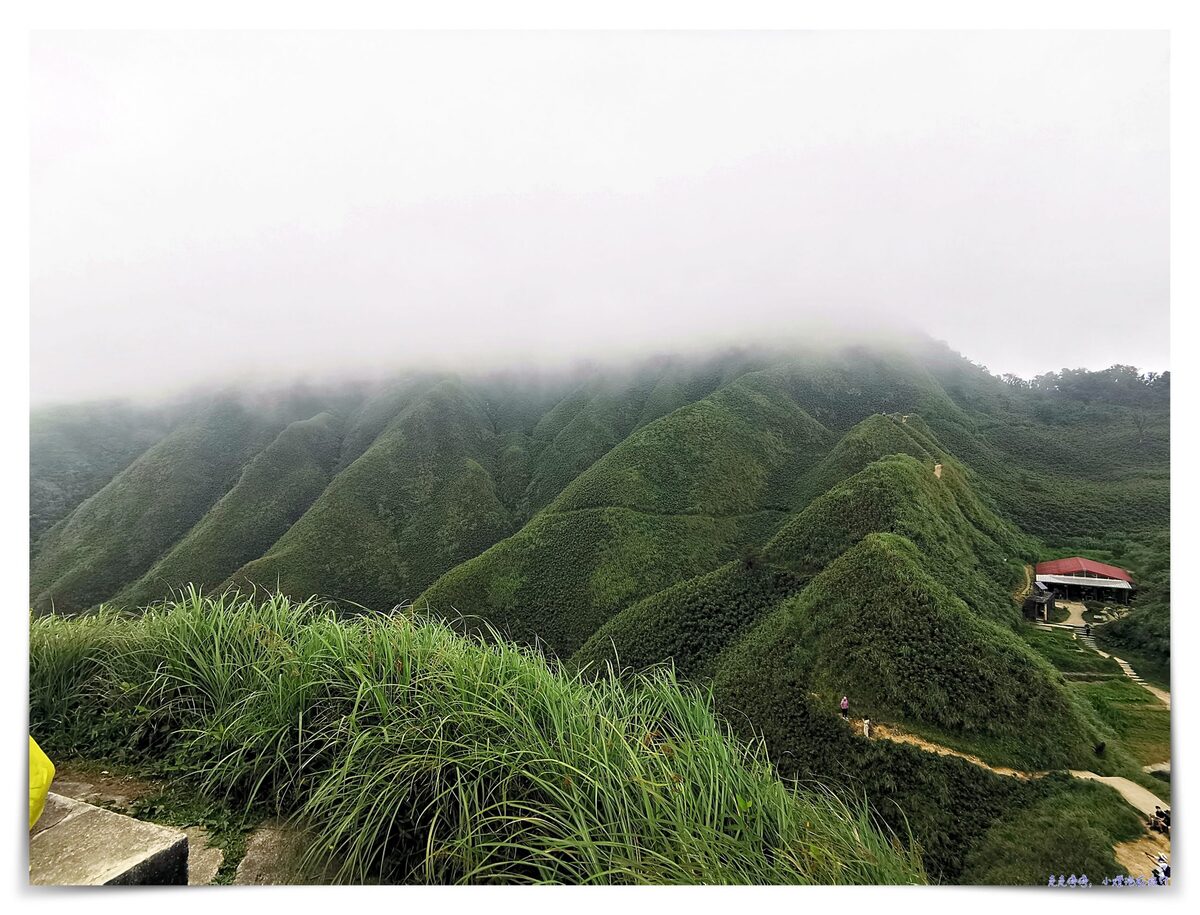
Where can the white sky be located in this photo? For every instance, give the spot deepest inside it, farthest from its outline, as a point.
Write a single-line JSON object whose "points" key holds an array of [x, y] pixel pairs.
{"points": [[213, 206]]}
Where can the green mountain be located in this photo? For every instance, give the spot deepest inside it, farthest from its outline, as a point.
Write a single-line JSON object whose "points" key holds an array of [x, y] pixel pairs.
{"points": [[780, 525], [976, 554], [420, 499], [274, 490], [114, 536], [877, 625], [680, 496], [74, 450]]}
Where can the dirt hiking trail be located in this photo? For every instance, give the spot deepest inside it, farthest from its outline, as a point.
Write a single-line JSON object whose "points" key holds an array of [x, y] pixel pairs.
{"points": [[1141, 799]]}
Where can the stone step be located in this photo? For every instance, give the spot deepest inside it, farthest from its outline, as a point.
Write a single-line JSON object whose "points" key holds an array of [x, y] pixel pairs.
{"points": [[77, 844]]}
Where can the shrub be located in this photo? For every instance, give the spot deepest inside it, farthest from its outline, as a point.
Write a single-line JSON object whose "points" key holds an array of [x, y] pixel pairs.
{"points": [[417, 754]]}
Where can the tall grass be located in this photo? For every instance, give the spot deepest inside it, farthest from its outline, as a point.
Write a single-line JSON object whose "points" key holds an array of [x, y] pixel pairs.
{"points": [[412, 753]]}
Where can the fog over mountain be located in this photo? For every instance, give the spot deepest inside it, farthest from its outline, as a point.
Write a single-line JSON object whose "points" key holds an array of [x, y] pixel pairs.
{"points": [[209, 207]]}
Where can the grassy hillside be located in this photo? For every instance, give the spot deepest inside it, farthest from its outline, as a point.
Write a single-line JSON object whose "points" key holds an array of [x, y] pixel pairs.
{"points": [[604, 410], [75, 450], [1143, 637], [418, 501], [115, 536], [564, 574], [963, 543], [873, 438], [756, 433], [950, 805], [676, 499], [416, 755], [275, 489], [736, 451], [1076, 824], [786, 523], [1063, 468], [689, 624], [876, 626]]}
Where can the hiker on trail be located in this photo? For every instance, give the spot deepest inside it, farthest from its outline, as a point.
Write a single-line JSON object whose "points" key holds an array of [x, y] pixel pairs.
{"points": [[1162, 870], [1161, 822], [867, 728], [845, 707]]}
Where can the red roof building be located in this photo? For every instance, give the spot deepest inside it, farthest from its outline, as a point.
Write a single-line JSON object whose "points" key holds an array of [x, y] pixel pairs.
{"points": [[1081, 579], [1077, 565]]}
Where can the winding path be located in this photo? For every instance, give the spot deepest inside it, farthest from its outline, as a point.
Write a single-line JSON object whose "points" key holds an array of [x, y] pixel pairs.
{"points": [[1138, 797]]}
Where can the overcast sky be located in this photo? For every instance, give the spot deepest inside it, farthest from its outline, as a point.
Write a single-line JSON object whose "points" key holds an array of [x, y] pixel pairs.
{"points": [[218, 206]]}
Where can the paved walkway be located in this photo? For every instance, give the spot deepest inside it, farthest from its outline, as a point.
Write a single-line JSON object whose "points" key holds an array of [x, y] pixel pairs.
{"points": [[1075, 611]]}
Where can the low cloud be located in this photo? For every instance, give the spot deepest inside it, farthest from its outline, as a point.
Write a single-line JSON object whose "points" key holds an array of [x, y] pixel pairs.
{"points": [[210, 207]]}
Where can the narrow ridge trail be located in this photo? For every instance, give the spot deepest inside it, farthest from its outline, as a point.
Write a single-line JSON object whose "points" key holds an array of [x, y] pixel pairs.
{"points": [[1142, 799]]}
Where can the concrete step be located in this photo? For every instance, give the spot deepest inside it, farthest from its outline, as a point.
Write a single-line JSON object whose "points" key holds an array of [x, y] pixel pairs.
{"points": [[76, 844]]}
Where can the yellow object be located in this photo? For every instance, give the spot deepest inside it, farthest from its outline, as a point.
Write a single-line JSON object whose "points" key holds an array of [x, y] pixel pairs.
{"points": [[41, 774]]}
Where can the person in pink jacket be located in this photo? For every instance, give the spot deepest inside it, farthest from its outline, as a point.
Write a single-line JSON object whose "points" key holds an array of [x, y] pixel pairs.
{"points": [[845, 707]]}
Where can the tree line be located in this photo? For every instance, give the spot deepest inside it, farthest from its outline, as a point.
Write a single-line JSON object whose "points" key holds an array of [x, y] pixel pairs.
{"points": [[1120, 384]]}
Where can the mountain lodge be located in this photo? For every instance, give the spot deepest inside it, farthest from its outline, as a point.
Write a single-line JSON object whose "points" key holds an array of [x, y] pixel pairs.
{"points": [[1077, 578]]}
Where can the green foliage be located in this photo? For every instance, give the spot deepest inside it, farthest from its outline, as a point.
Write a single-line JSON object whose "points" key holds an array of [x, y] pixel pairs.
{"points": [[945, 802], [598, 415], [414, 754], [876, 626], [1070, 829], [738, 431], [565, 574], [75, 450], [1063, 472], [690, 623], [876, 437], [115, 536], [965, 545], [1140, 723], [419, 500], [1068, 654], [1143, 636], [732, 453], [275, 489], [951, 806], [721, 514]]}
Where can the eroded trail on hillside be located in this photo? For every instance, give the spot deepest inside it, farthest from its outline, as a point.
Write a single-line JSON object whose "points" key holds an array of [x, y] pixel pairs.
{"points": [[1135, 795], [894, 734], [1132, 855]]}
